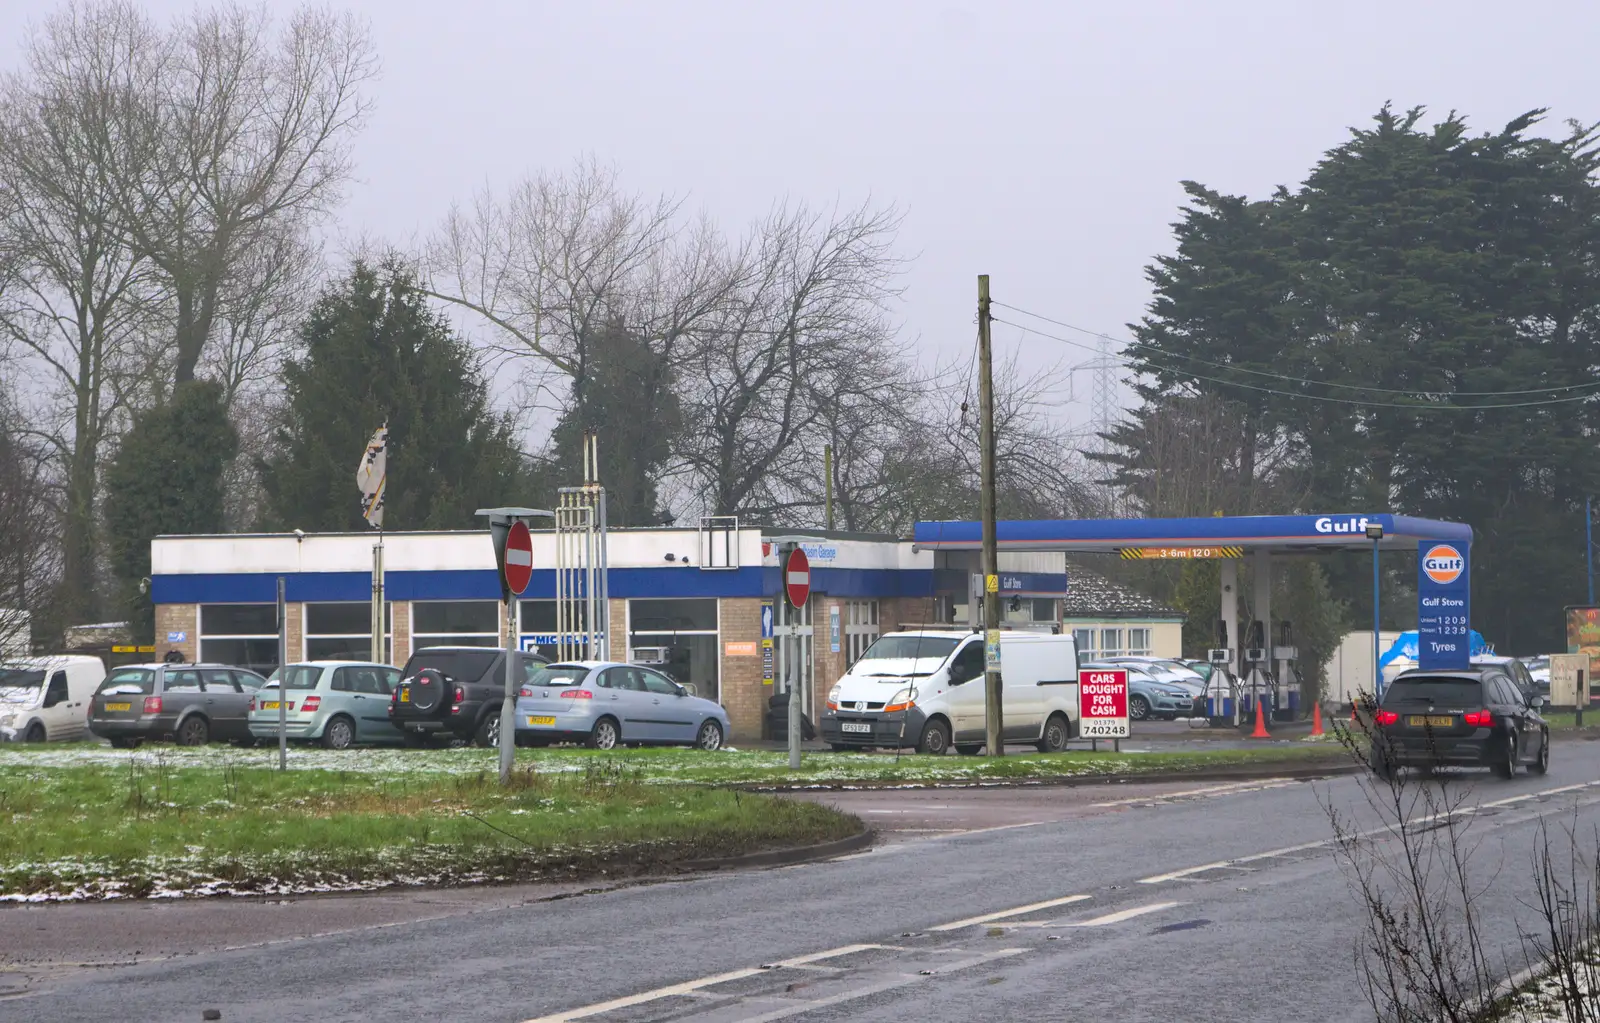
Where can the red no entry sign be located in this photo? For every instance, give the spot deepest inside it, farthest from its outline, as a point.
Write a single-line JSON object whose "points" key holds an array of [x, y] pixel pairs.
{"points": [[797, 578], [1103, 704], [519, 557]]}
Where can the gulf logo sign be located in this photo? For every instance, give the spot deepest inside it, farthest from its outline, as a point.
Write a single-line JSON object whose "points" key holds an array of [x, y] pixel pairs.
{"points": [[1443, 564]]}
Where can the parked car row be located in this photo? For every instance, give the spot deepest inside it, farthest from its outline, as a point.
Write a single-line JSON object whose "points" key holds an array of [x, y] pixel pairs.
{"points": [[443, 693]]}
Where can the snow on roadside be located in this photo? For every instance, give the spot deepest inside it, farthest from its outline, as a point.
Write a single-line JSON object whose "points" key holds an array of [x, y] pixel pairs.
{"points": [[651, 765]]}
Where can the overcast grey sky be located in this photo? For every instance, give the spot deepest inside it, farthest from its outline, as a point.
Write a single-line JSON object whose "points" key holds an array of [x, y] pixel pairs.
{"points": [[1041, 143]]}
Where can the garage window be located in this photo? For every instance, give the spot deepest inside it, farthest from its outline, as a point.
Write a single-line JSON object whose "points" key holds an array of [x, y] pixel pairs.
{"points": [[242, 635], [343, 631], [678, 637], [537, 626], [860, 627], [455, 623]]}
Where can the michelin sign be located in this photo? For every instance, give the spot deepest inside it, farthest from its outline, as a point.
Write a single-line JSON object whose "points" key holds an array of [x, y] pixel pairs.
{"points": [[1443, 605]]}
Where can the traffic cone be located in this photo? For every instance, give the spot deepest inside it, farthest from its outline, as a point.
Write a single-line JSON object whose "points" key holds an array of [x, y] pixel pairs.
{"points": [[1261, 723], [1316, 718]]}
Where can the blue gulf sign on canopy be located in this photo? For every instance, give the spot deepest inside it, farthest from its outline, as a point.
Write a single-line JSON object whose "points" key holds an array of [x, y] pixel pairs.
{"points": [[1443, 605]]}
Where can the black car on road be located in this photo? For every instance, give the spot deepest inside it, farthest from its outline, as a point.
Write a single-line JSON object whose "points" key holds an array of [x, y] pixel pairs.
{"points": [[192, 703], [455, 692], [1478, 717]]}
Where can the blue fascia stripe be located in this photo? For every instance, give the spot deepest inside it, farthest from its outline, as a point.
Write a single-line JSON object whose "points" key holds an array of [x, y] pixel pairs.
{"points": [[483, 584], [1239, 529]]}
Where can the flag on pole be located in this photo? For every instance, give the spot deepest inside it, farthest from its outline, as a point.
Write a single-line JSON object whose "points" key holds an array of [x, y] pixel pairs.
{"points": [[372, 474]]}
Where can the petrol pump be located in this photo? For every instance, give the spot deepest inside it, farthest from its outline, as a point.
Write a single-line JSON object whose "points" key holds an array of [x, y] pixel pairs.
{"points": [[1287, 656], [1259, 682], [1222, 703]]}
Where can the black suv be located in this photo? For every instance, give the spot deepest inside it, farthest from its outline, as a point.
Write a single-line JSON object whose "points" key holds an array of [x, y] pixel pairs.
{"points": [[1472, 718], [454, 691]]}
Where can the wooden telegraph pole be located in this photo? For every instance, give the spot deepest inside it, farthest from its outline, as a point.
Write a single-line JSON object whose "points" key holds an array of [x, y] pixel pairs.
{"points": [[994, 711]]}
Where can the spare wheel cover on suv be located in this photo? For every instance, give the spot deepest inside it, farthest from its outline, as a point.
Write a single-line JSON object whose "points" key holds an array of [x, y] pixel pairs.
{"points": [[428, 689]]}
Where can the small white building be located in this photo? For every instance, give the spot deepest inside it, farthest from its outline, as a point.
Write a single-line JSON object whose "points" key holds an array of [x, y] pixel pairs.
{"points": [[1111, 620]]}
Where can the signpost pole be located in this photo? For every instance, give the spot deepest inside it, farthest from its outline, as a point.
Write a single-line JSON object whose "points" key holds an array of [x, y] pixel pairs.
{"points": [[1588, 544], [508, 707], [513, 551], [792, 659], [992, 708], [283, 679], [1375, 533]]}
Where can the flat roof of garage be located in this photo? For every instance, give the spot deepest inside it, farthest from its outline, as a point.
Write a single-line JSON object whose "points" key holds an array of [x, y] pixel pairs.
{"points": [[1280, 533]]}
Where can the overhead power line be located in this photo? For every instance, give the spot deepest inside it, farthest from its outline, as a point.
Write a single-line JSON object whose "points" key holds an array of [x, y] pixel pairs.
{"points": [[1421, 405], [1586, 389]]}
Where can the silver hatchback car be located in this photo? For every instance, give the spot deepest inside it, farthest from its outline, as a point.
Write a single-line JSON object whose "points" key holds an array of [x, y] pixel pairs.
{"points": [[605, 704], [338, 703]]}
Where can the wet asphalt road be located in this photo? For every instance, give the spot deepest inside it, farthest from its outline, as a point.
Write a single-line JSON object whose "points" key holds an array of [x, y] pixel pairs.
{"points": [[884, 935]]}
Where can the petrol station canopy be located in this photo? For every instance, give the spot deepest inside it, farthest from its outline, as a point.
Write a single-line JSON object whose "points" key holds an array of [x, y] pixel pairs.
{"points": [[1158, 538]]}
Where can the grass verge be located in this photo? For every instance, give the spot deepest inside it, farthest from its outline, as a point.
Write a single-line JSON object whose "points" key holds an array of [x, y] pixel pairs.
{"points": [[683, 766], [151, 827]]}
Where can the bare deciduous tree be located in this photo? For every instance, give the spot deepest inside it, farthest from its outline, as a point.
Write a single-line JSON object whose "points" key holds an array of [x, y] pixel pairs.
{"points": [[75, 298], [228, 139], [808, 307], [29, 557]]}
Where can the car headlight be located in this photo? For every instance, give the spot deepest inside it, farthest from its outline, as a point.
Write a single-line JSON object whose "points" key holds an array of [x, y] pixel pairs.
{"points": [[833, 694], [903, 700]]}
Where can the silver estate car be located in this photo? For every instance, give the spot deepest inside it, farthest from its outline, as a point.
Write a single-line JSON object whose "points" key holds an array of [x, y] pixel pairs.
{"points": [[338, 703], [605, 704]]}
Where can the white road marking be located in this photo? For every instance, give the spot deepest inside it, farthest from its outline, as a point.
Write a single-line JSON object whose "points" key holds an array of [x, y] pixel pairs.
{"points": [[685, 988], [1125, 914], [1213, 790], [901, 980], [690, 987], [1065, 900], [1185, 872]]}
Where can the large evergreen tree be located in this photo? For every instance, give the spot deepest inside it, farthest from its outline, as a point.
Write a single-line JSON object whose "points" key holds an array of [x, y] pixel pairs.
{"points": [[374, 352], [166, 478], [1416, 328], [623, 393]]}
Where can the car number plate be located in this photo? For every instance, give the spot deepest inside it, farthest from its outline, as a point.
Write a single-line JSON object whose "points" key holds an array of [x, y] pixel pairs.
{"points": [[119, 706], [541, 720], [405, 696], [269, 705], [1434, 720], [856, 726]]}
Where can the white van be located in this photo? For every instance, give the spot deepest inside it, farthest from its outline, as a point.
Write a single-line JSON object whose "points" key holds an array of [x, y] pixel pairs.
{"points": [[924, 689], [47, 697]]}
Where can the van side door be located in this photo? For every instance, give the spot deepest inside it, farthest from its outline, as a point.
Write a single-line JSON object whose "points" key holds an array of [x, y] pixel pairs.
{"points": [[61, 721], [964, 699]]}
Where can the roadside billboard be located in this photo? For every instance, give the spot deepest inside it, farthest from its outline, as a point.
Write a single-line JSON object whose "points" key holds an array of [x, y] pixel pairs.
{"points": [[1583, 634]]}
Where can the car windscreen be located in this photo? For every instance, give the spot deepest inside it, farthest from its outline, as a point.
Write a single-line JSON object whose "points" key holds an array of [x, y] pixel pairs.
{"points": [[1441, 691], [557, 675], [20, 685], [464, 666], [301, 676], [129, 680], [21, 678], [905, 655]]}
